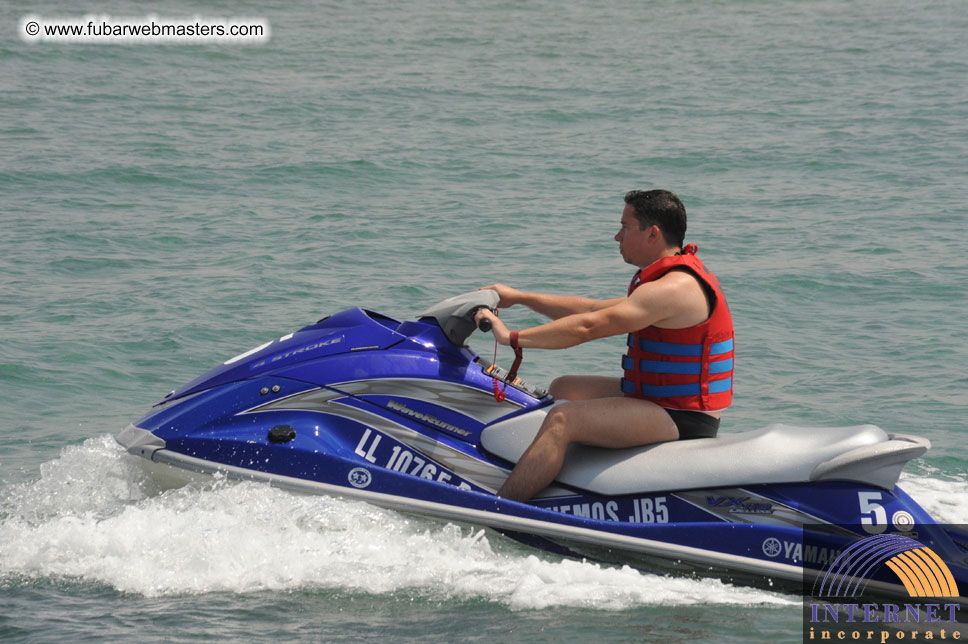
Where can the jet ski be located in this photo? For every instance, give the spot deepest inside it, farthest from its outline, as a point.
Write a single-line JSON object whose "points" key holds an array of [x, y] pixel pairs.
{"points": [[402, 414]]}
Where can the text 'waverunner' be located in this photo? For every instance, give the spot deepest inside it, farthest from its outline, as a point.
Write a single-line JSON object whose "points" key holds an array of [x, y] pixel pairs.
{"points": [[404, 415]]}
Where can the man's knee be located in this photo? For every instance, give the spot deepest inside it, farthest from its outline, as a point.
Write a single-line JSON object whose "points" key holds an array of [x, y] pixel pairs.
{"points": [[560, 389], [555, 425], [574, 388]]}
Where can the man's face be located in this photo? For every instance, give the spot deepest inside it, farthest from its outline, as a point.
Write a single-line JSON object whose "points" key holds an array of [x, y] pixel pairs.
{"points": [[633, 243]]}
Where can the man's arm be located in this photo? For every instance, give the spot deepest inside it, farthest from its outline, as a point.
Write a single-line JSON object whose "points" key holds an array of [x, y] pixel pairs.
{"points": [[675, 300], [551, 306]]}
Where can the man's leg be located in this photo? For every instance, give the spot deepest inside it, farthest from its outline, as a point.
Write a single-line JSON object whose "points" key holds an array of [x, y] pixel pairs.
{"points": [[602, 422]]}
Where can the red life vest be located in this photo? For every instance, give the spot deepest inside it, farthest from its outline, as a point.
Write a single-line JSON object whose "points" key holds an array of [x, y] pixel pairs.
{"points": [[689, 368]]}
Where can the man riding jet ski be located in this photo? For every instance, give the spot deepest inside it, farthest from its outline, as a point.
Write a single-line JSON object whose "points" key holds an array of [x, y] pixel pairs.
{"points": [[679, 366]]}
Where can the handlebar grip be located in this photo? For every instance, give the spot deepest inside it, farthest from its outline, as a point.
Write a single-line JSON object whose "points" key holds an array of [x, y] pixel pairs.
{"points": [[483, 325]]}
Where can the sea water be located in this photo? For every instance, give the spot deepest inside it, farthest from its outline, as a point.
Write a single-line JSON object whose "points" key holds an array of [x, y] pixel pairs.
{"points": [[164, 207]]}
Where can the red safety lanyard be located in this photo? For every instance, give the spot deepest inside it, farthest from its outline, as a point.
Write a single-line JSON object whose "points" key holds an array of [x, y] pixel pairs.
{"points": [[501, 393]]}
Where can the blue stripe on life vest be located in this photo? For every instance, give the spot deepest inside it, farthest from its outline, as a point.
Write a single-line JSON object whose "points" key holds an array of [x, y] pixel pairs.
{"points": [[676, 391], [657, 366], [681, 368], [670, 391], [674, 349], [670, 348]]}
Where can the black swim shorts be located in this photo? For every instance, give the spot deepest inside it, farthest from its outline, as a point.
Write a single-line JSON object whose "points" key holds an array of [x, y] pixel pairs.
{"points": [[694, 424]]}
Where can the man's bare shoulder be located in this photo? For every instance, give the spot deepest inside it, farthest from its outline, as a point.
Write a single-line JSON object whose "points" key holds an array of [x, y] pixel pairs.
{"points": [[678, 297], [677, 279]]}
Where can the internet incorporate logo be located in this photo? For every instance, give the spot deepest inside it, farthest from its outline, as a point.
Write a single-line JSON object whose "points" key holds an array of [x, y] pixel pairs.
{"points": [[887, 588]]}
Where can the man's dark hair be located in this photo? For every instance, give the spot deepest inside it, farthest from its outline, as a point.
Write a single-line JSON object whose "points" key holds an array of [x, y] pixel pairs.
{"points": [[659, 208]]}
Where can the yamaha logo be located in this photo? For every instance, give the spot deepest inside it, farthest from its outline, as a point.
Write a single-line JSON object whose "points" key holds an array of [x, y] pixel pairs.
{"points": [[359, 477], [772, 547]]}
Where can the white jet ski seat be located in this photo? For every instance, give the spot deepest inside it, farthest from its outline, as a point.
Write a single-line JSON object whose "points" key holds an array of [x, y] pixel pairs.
{"points": [[774, 454]]}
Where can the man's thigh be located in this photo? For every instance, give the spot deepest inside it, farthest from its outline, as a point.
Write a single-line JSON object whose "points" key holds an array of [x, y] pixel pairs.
{"points": [[617, 422], [586, 387]]}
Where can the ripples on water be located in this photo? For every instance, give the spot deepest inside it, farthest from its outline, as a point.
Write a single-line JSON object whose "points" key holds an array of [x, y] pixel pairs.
{"points": [[165, 207]]}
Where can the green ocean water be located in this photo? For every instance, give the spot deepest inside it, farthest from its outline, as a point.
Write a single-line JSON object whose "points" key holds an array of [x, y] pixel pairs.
{"points": [[164, 207]]}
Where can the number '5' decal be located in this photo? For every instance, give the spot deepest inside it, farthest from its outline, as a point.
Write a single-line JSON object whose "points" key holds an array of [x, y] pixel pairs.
{"points": [[874, 517]]}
